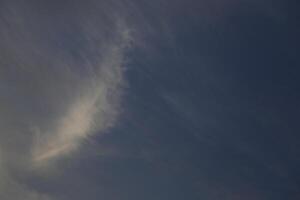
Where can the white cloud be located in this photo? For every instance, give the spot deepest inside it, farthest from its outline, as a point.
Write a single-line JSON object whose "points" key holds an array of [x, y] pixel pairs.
{"points": [[52, 100], [94, 108]]}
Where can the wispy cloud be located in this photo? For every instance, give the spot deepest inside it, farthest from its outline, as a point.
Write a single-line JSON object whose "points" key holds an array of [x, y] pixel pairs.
{"points": [[61, 81], [62, 75], [94, 108]]}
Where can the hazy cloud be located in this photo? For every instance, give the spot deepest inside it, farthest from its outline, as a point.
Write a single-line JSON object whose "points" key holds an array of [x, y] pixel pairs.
{"points": [[62, 77]]}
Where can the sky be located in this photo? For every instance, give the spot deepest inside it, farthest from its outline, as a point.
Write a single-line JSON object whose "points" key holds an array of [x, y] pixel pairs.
{"points": [[144, 100]]}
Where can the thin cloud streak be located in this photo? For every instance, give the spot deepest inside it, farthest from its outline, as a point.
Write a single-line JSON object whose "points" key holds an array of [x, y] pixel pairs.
{"points": [[58, 88], [94, 109]]}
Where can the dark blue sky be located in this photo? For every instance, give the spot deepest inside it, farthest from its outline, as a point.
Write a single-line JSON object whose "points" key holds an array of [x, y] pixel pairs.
{"points": [[189, 100]]}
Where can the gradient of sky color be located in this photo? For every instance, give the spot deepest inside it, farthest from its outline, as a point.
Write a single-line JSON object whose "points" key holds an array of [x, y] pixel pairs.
{"points": [[149, 100]]}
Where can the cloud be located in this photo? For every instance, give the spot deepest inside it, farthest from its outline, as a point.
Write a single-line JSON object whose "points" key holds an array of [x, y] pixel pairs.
{"points": [[62, 75], [93, 108], [61, 82]]}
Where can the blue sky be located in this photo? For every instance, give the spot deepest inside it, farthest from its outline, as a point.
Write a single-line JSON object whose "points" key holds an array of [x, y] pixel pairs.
{"points": [[120, 100]]}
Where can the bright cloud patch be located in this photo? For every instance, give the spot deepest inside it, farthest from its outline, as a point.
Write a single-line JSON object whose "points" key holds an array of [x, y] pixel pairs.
{"points": [[92, 109], [61, 81]]}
